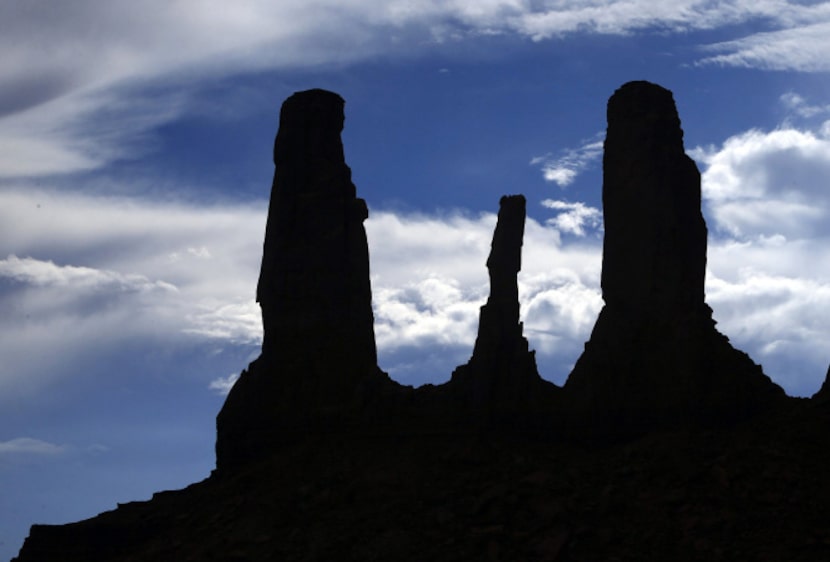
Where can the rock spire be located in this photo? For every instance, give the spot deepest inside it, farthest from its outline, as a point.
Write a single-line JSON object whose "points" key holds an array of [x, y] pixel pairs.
{"points": [[318, 351], [314, 277], [501, 377], [654, 356]]}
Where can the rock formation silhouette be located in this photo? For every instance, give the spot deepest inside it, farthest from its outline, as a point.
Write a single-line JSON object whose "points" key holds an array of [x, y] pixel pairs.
{"points": [[823, 394], [501, 379], [654, 357], [319, 360], [320, 456]]}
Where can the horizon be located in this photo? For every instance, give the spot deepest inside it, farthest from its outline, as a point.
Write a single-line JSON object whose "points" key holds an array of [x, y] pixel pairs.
{"points": [[136, 171]]}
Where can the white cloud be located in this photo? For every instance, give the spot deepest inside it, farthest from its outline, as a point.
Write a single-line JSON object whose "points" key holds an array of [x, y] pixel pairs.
{"points": [[768, 183], [769, 292], [769, 258], [82, 83], [804, 47], [564, 169], [627, 16], [429, 279], [239, 321], [428, 282], [29, 446], [45, 273], [223, 385], [796, 104], [86, 273], [93, 271], [405, 247], [573, 218], [432, 310], [778, 317]]}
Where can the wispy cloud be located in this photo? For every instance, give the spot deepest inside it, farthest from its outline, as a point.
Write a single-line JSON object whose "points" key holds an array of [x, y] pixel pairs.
{"points": [[223, 385], [562, 169], [29, 446], [45, 273], [86, 273], [801, 107], [803, 47], [83, 84]]}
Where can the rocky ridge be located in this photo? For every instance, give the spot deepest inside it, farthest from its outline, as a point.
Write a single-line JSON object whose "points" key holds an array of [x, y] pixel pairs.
{"points": [[665, 442]]}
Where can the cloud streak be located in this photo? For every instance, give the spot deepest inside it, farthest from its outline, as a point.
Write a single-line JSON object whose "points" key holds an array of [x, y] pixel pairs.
{"points": [[46, 274], [223, 385], [83, 84], [29, 446], [86, 273], [563, 170], [803, 48]]}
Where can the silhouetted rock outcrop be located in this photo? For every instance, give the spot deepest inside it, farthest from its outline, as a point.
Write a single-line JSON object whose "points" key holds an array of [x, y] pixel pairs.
{"points": [[823, 394], [655, 357], [501, 378], [319, 361], [321, 457]]}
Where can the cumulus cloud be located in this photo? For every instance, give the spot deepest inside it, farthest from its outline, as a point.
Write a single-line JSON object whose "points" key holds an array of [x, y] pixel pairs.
{"points": [[573, 218], [428, 282], [563, 169], [769, 263], [236, 321], [777, 316], [29, 446], [429, 279], [432, 310], [768, 183]]}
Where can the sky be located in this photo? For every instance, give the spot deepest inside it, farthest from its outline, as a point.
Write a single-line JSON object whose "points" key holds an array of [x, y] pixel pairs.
{"points": [[135, 170]]}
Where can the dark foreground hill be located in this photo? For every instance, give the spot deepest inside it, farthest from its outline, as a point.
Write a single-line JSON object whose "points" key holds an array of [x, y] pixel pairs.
{"points": [[665, 443], [757, 492]]}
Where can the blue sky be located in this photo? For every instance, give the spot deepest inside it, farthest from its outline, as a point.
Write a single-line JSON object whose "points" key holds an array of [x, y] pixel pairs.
{"points": [[135, 166]]}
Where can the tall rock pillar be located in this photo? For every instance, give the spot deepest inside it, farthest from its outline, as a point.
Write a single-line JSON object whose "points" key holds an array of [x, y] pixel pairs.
{"points": [[314, 278], [501, 379], [318, 354], [500, 336], [654, 356]]}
